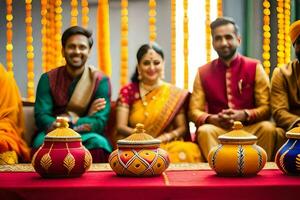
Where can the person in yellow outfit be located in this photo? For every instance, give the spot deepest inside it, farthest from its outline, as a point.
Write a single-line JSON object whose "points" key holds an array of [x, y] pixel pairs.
{"points": [[156, 104], [12, 146], [285, 87]]}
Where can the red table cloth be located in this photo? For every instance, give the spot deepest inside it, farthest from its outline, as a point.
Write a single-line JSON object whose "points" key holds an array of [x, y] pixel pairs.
{"points": [[198, 184]]}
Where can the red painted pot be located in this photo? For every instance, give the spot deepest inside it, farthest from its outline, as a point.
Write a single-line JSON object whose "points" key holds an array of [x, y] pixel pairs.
{"points": [[62, 154]]}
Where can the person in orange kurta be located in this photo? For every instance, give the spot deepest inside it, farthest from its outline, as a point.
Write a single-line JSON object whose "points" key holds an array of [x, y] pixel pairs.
{"points": [[12, 146]]}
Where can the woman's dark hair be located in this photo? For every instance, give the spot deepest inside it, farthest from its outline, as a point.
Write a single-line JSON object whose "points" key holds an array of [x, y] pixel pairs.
{"points": [[75, 30], [140, 54]]}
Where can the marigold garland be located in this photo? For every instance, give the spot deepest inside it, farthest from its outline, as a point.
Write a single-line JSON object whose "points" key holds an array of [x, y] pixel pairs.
{"points": [[30, 51], [44, 22], [74, 12], [186, 43], [9, 36], [50, 33], [84, 13], [124, 42], [287, 19], [266, 36], [207, 31], [173, 42], [280, 34], [58, 59], [152, 20], [220, 8], [103, 37]]}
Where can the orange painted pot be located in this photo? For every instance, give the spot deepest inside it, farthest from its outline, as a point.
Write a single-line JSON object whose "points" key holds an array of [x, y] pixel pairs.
{"points": [[139, 155], [62, 154], [237, 155]]}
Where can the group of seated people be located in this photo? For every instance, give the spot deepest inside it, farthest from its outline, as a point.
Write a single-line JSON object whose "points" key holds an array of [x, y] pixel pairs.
{"points": [[230, 88]]}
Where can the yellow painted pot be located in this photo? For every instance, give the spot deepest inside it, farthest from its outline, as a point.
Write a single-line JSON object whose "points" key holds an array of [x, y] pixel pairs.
{"points": [[237, 155], [139, 155]]}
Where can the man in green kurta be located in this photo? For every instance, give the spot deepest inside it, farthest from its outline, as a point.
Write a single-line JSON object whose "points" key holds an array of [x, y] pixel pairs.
{"points": [[76, 91]]}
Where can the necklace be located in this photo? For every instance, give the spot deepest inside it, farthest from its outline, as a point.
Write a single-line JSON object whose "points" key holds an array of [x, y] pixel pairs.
{"points": [[143, 92]]}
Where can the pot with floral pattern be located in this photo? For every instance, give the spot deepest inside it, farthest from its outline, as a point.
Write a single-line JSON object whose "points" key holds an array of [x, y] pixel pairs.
{"points": [[139, 155], [288, 156], [237, 155], [62, 154]]}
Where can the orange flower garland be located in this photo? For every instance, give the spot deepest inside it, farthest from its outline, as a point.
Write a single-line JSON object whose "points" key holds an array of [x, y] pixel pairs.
{"points": [[287, 19], [84, 13], [9, 36], [281, 33], [266, 36], [44, 32], [58, 61], [50, 32], [124, 42], [207, 31], [220, 8], [173, 41], [103, 37], [30, 52], [74, 12], [186, 43], [152, 20]]}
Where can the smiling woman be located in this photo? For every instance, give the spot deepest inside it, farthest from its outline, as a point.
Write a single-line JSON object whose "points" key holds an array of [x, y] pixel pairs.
{"points": [[158, 105]]}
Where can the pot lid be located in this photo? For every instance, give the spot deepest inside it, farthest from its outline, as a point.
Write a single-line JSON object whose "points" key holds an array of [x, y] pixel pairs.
{"points": [[237, 135], [139, 137], [293, 133], [62, 130]]}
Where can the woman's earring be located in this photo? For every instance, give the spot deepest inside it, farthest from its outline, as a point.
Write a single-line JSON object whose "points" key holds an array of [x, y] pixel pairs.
{"points": [[139, 77]]}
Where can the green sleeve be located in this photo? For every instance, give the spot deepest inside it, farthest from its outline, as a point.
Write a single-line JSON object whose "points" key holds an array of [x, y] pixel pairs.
{"points": [[98, 120], [43, 104]]}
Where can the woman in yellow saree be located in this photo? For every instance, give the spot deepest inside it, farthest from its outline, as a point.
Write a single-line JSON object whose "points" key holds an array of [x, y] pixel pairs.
{"points": [[156, 104], [12, 146]]}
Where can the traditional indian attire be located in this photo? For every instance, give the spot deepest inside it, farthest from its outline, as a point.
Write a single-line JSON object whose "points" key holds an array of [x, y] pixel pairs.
{"points": [[285, 99], [244, 86], [156, 110], [58, 94], [12, 125]]}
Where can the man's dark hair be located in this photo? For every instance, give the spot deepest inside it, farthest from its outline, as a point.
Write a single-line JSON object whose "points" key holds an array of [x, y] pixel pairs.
{"points": [[75, 30], [220, 21]]}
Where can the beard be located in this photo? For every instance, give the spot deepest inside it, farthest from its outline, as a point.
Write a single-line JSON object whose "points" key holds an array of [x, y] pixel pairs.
{"points": [[227, 56]]}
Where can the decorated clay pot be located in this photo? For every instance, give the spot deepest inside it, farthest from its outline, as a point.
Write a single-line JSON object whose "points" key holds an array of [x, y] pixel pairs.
{"points": [[139, 155], [62, 154], [288, 156], [237, 155]]}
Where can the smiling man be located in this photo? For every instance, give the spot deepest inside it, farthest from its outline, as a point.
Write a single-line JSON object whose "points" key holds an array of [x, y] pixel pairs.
{"points": [[231, 88], [76, 91]]}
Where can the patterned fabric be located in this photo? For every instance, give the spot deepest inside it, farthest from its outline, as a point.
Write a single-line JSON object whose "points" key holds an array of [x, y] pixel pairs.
{"points": [[11, 117]]}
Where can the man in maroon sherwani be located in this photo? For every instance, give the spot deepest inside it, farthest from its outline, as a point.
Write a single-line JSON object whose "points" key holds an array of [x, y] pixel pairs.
{"points": [[231, 88]]}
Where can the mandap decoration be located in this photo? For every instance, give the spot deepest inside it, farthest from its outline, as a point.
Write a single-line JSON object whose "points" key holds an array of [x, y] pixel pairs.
{"points": [[62, 154], [288, 156], [139, 155], [237, 155]]}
